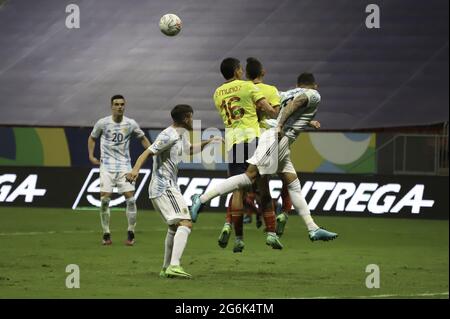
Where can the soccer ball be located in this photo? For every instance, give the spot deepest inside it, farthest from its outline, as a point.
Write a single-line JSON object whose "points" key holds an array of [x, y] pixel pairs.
{"points": [[170, 24]]}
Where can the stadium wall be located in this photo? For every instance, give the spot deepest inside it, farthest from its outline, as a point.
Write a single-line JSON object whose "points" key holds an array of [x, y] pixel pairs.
{"points": [[327, 194], [313, 152]]}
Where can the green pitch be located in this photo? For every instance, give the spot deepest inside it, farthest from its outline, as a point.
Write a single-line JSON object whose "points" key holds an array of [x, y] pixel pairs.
{"points": [[36, 245]]}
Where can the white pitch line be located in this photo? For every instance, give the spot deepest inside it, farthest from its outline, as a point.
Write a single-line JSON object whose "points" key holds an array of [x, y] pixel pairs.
{"points": [[53, 232], [33, 233], [427, 294]]}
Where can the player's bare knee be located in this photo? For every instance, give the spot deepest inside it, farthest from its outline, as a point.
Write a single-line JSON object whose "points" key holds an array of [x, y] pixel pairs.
{"points": [[186, 223], [252, 173], [288, 178], [128, 195]]}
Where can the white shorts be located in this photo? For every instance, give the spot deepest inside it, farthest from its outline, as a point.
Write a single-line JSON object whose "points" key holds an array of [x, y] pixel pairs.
{"points": [[172, 206], [272, 156], [109, 180]]}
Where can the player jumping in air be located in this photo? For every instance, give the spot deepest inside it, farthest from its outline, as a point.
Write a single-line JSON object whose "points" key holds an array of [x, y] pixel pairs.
{"points": [[115, 162], [298, 108], [238, 102], [255, 73], [167, 152]]}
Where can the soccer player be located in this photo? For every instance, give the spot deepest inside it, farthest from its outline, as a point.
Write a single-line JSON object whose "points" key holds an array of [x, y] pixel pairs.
{"points": [[167, 152], [298, 108], [115, 132], [255, 73], [238, 102]]}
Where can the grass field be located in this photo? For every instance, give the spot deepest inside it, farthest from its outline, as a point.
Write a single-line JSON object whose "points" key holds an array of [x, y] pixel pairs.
{"points": [[36, 245]]}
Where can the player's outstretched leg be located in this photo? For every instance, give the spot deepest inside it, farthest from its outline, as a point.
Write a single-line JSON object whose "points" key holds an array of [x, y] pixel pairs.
{"points": [[230, 184]]}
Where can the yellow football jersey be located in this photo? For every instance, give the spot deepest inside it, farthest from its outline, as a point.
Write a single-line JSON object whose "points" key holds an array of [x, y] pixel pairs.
{"points": [[273, 97], [235, 102]]}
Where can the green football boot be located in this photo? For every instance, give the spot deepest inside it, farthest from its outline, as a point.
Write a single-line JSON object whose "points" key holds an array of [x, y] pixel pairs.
{"points": [[163, 274], [177, 272], [273, 241], [282, 219], [224, 235]]}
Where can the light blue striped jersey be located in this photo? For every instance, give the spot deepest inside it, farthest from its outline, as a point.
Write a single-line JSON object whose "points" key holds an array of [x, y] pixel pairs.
{"points": [[115, 142], [299, 120], [169, 147]]}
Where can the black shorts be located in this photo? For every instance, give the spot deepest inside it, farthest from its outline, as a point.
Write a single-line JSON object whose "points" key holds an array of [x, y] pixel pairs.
{"points": [[239, 155]]}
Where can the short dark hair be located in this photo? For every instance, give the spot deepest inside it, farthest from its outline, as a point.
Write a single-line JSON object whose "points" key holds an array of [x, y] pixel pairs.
{"points": [[228, 66], [116, 97], [253, 68], [180, 111], [306, 79]]}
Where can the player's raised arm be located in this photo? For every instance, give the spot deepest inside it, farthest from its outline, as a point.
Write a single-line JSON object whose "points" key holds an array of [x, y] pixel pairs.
{"points": [[91, 148], [294, 105], [264, 106]]}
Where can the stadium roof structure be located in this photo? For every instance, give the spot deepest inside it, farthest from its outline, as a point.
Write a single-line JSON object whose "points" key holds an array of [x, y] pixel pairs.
{"points": [[397, 75]]}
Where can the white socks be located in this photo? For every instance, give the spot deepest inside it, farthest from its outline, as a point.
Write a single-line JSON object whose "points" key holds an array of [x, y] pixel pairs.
{"points": [[131, 213], [168, 247], [227, 186], [105, 214], [300, 205], [179, 243]]}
